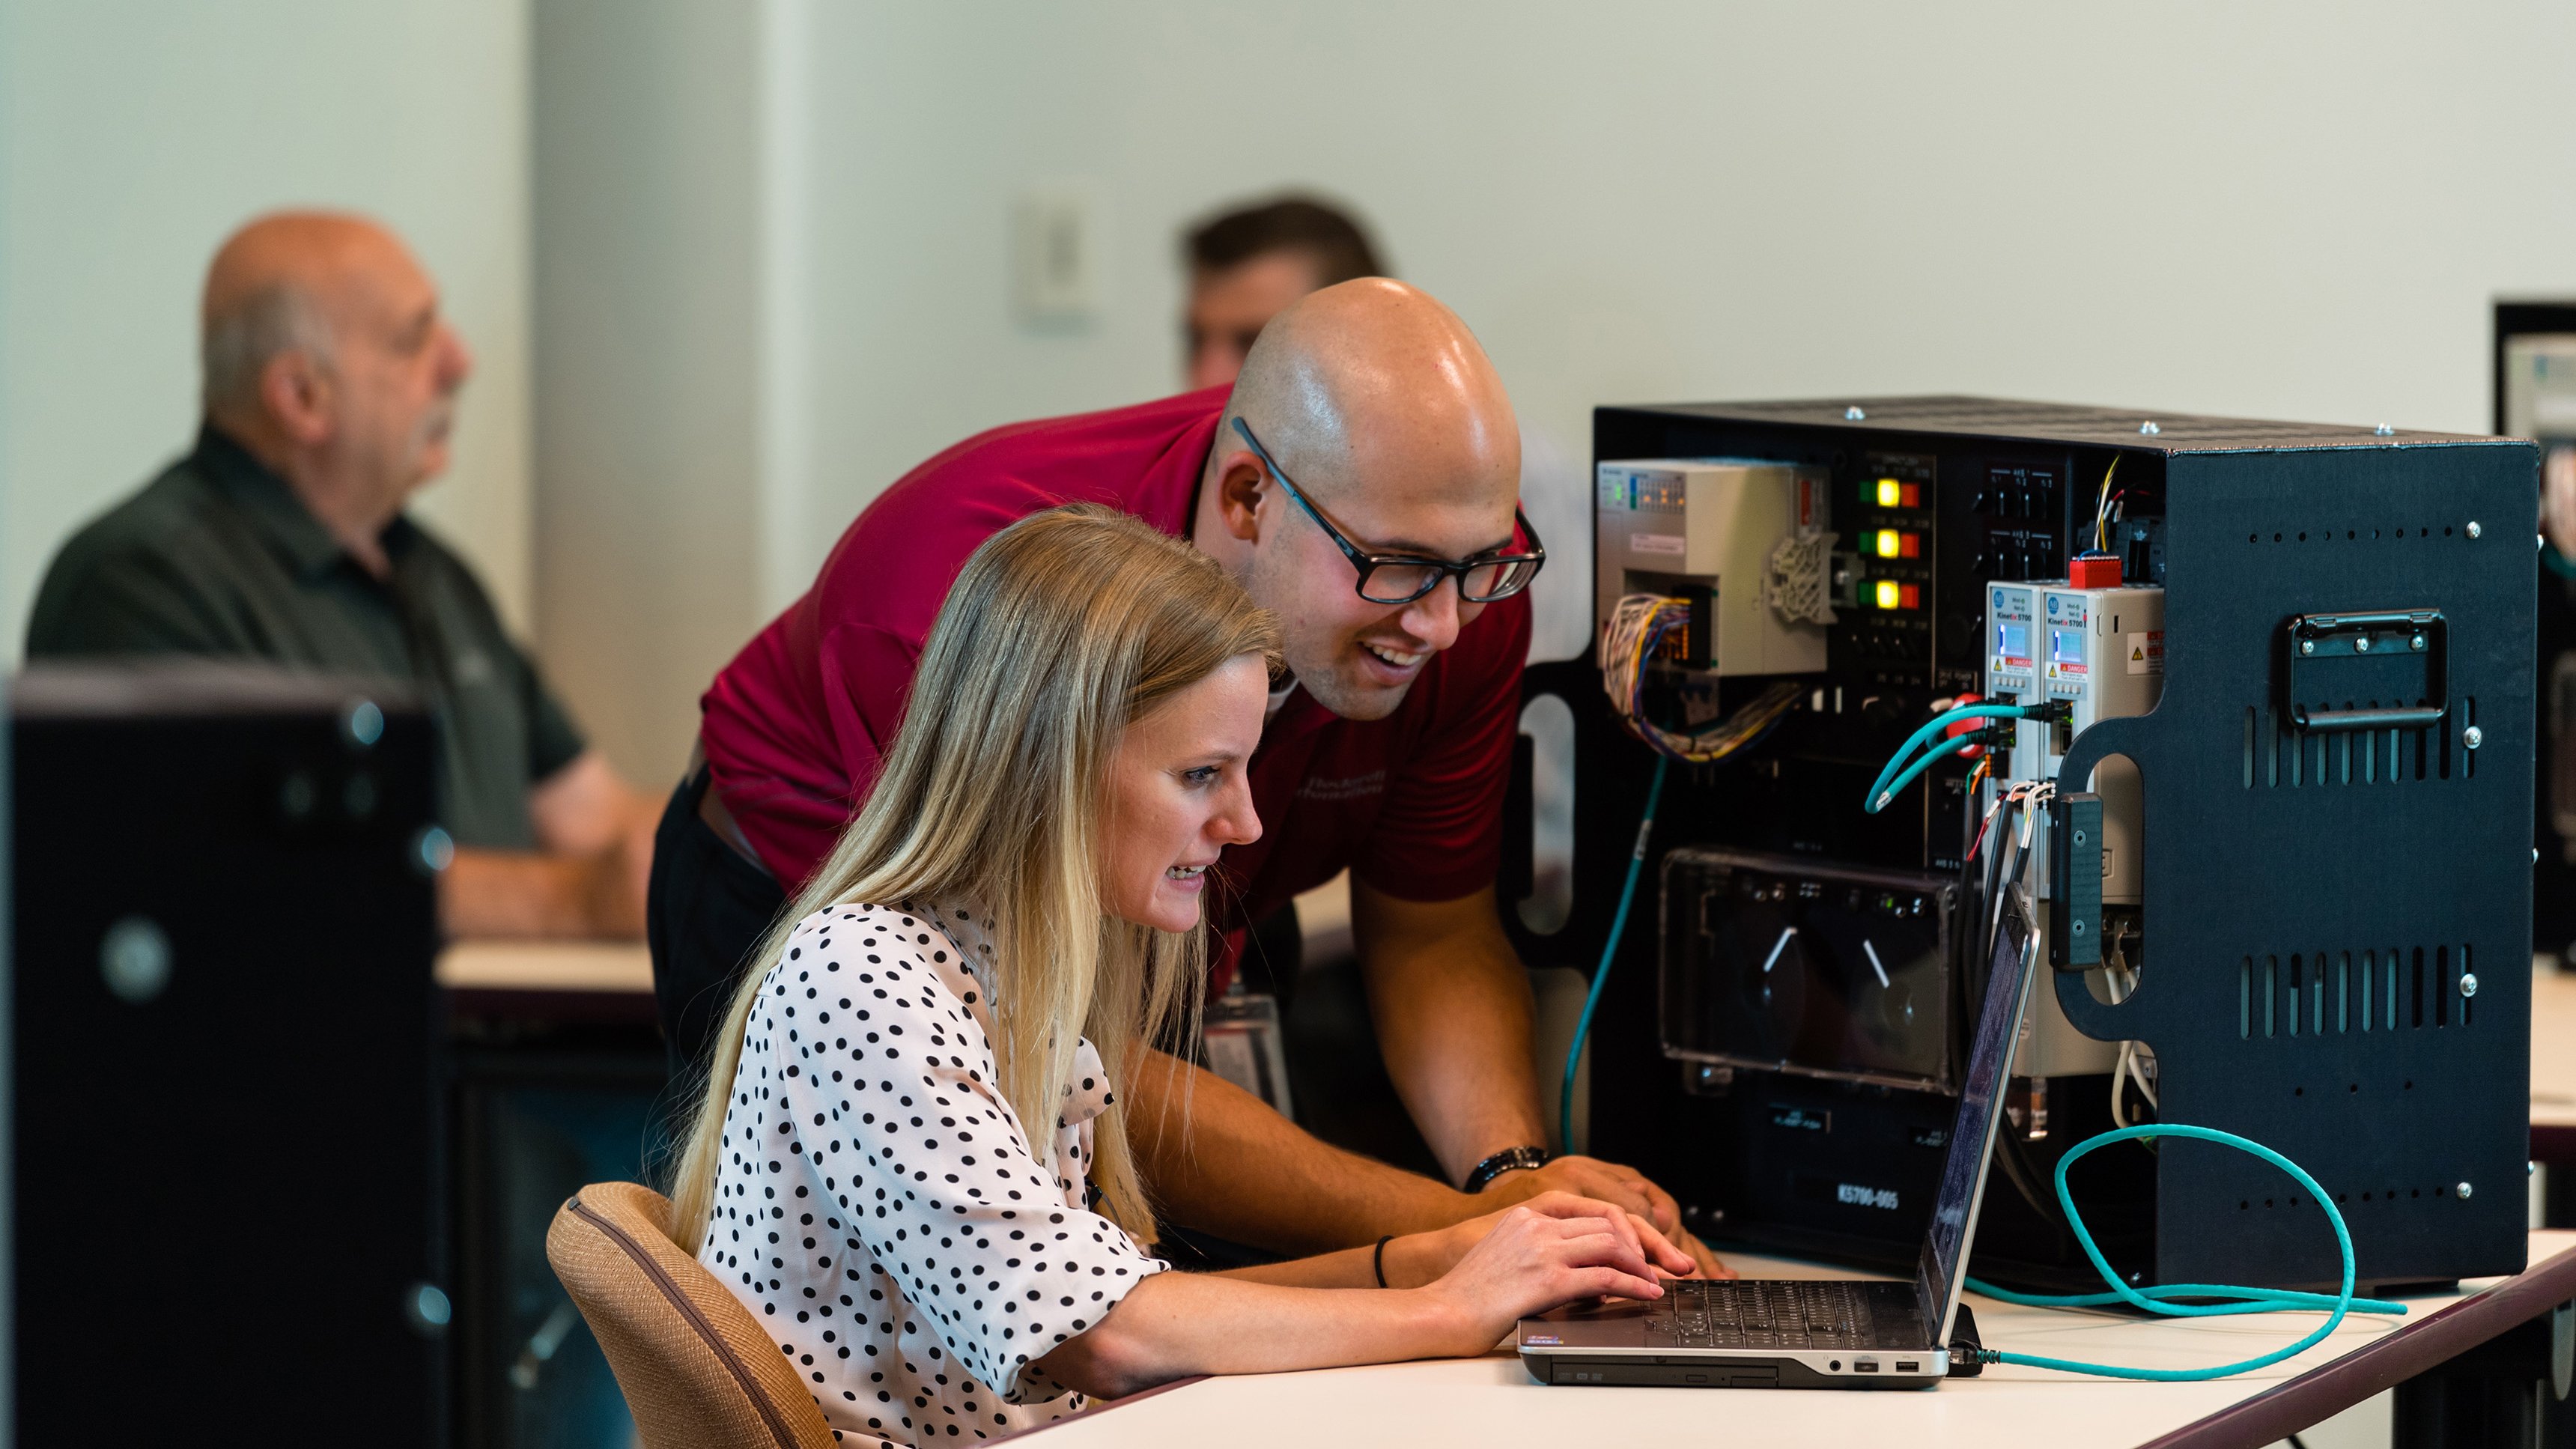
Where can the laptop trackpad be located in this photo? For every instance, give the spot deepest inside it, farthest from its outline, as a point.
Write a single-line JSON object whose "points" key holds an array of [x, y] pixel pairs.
{"points": [[1617, 1323]]}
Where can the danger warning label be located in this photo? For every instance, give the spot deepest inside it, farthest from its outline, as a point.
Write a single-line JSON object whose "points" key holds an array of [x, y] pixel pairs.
{"points": [[2147, 653]]}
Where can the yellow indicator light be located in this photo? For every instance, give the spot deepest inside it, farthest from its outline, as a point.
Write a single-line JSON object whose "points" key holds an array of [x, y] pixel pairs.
{"points": [[1888, 597], [1889, 492], [1887, 543]]}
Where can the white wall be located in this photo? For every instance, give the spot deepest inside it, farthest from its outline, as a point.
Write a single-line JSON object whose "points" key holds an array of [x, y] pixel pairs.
{"points": [[649, 136], [775, 249], [2292, 210], [135, 135]]}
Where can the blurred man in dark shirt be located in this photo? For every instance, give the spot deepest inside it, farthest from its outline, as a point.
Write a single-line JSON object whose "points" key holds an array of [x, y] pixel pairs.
{"points": [[330, 390]]}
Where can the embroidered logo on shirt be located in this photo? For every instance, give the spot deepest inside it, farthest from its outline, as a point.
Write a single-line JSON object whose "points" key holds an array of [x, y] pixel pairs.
{"points": [[1353, 788]]}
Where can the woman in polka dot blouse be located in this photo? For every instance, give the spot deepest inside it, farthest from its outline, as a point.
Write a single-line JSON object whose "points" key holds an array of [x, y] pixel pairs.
{"points": [[911, 1164]]}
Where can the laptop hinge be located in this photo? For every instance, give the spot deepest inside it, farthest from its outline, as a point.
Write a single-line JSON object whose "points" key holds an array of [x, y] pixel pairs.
{"points": [[1964, 1345]]}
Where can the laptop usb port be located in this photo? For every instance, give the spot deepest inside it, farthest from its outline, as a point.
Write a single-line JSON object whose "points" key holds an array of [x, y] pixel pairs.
{"points": [[1865, 1365], [1908, 1366]]}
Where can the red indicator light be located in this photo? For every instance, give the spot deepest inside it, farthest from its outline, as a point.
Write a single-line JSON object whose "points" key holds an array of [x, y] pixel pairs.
{"points": [[1909, 596], [1909, 545], [1910, 496]]}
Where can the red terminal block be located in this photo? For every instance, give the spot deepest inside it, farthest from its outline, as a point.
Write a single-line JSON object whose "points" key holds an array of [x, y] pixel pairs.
{"points": [[2093, 571]]}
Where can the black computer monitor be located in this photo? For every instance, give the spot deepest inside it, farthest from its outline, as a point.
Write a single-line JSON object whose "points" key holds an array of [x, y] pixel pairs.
{"points": [[221, 1036]]}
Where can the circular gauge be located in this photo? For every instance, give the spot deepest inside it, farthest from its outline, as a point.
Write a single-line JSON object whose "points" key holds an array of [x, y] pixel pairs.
{"points": [[1766, 959], [1896, 1021]]}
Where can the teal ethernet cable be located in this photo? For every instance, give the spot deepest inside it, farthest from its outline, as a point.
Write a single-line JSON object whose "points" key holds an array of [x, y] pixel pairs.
{"points": [[2155, 1300], [1609, 948], [1880, 791], [1879, 798]]}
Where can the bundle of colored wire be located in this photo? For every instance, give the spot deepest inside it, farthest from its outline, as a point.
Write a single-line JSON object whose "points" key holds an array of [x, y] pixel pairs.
{"points": [[2035, 792], [2102, 507], [1629, 638]]}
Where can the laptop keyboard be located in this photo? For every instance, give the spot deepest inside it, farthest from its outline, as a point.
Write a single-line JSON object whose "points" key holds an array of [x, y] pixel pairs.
{"points": [[1737, 1313]]}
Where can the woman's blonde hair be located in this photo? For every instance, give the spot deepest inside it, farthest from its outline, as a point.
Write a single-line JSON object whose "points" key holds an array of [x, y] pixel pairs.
{"points": [[1062, 630]]}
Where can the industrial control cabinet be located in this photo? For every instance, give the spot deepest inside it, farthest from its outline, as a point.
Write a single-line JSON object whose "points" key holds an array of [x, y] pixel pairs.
{"points": [[2325, 897]]}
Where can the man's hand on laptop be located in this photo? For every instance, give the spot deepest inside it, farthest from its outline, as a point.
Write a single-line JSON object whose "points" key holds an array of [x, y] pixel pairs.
{"points": [[1621, 1187]]}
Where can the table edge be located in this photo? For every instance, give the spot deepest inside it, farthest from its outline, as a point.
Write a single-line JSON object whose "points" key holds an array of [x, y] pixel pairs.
{"points": [[1102, 1406], [550, 1004], [2347, 1379]]}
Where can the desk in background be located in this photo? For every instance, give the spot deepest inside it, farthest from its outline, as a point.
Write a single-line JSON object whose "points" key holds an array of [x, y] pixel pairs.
{"points": [[2553, 1066], [536, 982], [556, 1067]]}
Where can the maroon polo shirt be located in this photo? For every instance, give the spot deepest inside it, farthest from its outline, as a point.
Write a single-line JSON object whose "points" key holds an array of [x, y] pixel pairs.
{"points": [[795, 727]]}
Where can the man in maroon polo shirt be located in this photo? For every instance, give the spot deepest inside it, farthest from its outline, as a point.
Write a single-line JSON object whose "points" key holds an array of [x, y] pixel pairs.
{"points": [[1361, 480]]}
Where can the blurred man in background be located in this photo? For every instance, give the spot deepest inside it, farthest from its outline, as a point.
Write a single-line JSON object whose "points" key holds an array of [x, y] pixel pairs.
{"points": [[330, 391], [1249, 264]]}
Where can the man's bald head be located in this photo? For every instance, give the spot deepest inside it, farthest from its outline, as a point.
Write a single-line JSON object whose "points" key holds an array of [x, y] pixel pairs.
{"points": [[326, 357], [285, 282], [1373, 382], [1377, 405]]}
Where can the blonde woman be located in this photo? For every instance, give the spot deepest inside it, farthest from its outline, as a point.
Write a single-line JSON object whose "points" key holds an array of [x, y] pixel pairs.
{"points": [[911, 1164]]}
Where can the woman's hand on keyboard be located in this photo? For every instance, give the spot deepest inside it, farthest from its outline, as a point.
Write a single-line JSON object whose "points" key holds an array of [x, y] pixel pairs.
{"points": [[1552, 1250], [1421, 1257], [1611, 1183]]}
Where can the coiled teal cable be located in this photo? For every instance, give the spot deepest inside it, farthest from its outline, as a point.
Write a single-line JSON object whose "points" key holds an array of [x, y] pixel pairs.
{"points": [[2246, 1300], [1609, 948]]}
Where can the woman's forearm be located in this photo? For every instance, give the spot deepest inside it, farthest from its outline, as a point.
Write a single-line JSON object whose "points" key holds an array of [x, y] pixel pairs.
{"points": [[1411, 1261], [1476, 1279], [1174, 1325]]}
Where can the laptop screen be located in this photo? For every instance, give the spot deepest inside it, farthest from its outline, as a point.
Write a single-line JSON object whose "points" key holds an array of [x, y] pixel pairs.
{"points": [[1963, 1175]]}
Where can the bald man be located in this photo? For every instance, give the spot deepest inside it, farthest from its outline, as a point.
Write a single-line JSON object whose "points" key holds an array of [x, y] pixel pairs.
{"points": [[330, 382], [1360, 479]]}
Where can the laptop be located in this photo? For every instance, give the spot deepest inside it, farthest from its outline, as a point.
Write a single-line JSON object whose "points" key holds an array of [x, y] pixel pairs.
{"points": [[1827, 1333]]}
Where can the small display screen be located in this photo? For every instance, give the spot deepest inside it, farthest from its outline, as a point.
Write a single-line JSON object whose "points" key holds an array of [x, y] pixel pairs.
{"points": [[2012, 639], [2065, 646]]}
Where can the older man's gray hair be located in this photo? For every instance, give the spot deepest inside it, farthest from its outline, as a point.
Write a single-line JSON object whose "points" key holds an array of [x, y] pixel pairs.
{"points": [[238, 344]]}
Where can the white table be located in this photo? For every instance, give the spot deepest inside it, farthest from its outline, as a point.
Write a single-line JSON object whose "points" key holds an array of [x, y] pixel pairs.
{"points": [[1493, 1401], [549, 980], [612, 966]]}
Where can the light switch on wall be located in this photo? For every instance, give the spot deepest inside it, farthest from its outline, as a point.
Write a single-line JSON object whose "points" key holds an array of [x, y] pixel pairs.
{"points": [[1056, 253]]}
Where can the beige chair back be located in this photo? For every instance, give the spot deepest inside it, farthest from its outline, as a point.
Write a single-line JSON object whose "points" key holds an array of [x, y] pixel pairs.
{"points": [[698, 1371]]}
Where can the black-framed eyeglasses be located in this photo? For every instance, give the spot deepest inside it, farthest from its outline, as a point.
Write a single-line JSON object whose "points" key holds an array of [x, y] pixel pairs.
{"points": [[1401, 578]]}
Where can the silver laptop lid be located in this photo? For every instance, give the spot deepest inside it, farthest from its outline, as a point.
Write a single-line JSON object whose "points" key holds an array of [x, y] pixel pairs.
{"points": [[1942, 1273]]}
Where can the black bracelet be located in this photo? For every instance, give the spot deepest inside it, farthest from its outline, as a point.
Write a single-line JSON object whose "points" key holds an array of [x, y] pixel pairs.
{"points": [[1378, 1261], [1510, 1159]]}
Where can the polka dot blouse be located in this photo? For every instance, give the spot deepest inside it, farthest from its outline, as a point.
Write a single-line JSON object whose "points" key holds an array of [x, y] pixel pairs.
{"points": [[879, 1206]]}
